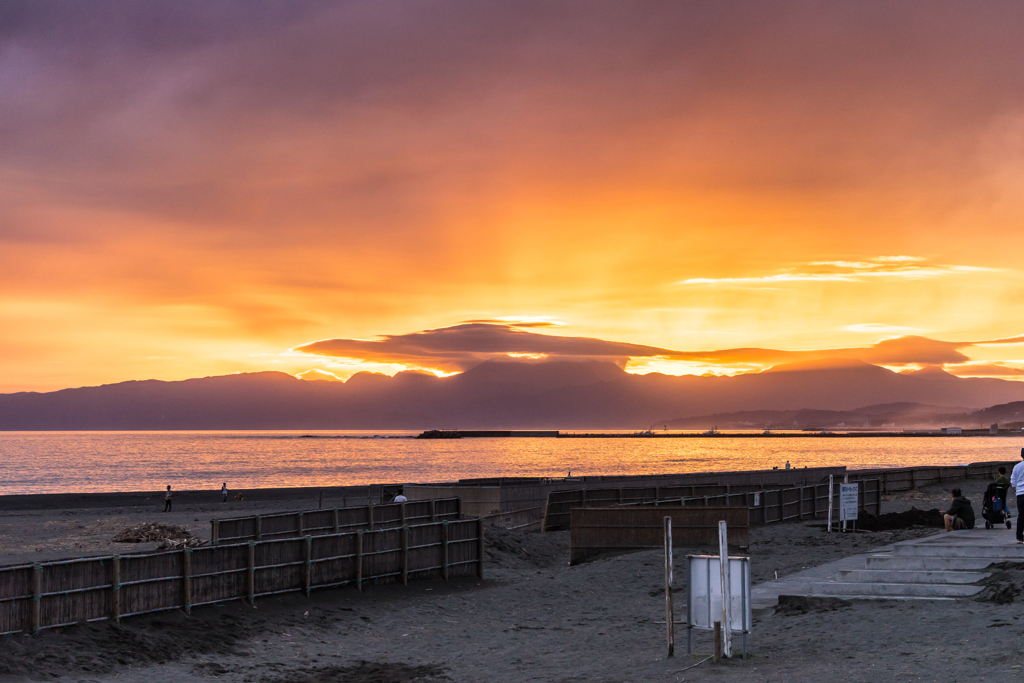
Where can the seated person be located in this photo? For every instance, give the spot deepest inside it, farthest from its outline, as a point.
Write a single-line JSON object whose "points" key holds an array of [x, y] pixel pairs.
{"points": [[960, 515]]}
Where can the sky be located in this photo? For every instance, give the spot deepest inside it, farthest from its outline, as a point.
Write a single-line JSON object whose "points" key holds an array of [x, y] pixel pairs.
{"points": [[203, 187]]}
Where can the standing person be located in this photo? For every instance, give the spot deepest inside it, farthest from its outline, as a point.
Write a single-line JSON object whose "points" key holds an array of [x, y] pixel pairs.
{"points": [[224, 492], [167, 499], [1017, 482]]}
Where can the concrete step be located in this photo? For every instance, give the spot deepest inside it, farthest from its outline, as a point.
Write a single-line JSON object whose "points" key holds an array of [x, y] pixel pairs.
{"points": [[893, 590], [908, 576], [927, 563], [997, 553]]}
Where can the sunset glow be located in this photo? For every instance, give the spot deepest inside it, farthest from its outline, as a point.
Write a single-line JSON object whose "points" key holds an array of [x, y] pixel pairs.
{"points": [[686, 188]]}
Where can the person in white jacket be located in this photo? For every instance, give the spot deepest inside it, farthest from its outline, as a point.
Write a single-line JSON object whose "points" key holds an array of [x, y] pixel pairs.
{"points": [[1017, 482]]}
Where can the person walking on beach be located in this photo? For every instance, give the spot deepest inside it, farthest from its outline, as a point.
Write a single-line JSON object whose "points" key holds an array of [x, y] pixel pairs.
{"points": [[167, 499], [224, 492], [1017, 482], [960, 514]]}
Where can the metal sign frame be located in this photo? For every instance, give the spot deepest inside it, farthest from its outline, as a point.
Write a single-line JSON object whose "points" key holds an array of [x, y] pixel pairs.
{"points": [[704, 596]]}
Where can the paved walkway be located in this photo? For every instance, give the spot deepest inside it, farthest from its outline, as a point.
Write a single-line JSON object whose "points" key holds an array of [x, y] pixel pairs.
{"points": [[942, 566]]}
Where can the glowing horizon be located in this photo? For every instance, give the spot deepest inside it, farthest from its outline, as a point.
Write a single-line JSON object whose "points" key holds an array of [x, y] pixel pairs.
{"points": [[201, 190]]}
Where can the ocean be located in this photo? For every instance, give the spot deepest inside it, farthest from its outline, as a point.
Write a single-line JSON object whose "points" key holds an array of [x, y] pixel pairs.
{"points": [[61, 462]]}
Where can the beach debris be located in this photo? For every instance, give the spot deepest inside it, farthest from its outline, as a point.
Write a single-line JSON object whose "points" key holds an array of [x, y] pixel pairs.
{"points": [[171, 536]]}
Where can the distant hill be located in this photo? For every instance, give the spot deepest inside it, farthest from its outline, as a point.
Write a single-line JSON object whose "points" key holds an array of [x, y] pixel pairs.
{"points": [[514, 394]]}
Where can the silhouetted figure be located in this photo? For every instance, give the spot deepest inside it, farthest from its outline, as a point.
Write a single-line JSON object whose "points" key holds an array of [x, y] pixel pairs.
{"points": [[167, 499], [787, 464], [224, 492], [1017, 482]]}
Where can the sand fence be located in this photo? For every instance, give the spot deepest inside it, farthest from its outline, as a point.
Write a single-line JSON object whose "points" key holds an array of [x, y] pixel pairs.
{"points": [[67, 592], [333, 520]]}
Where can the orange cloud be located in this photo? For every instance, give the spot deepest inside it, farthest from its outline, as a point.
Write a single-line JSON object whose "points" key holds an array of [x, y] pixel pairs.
{"points": [[461, 347]]}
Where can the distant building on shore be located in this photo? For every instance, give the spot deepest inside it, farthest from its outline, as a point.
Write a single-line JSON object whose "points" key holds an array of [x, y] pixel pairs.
{"points": [[949, 431]]}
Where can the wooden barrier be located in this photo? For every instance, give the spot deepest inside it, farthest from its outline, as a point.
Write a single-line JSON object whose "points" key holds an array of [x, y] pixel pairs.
{"points": [[333, 520], [766, 507], [66, 592], [598, 529], [907, 478], [529, 518]]}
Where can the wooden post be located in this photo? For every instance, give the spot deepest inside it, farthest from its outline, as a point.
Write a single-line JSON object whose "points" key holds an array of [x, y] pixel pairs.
{"points": [[369, 516], [307, 556], [214, 531], [335, 526], [37, 597], [320, 505], [723, 563], [480, 548], [670, 627], [115, 588], [252, 573], [259, 528], [433, 510], [302, 524], [405, 551], [401, 512], [444, 550], [359, 559], [186, 579], [718, 641], [831, 493]]}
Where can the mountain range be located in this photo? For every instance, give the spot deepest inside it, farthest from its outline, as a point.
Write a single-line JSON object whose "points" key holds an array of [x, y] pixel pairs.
{"points": [[519, 394]]}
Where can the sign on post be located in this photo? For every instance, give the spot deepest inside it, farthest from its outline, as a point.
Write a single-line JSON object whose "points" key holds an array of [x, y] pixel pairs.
{"points": [[704, 596], [848, 495]]}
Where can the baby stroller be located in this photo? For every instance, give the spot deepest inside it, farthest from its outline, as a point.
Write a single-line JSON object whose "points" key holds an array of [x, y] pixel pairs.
{"points": [[994, 508]]}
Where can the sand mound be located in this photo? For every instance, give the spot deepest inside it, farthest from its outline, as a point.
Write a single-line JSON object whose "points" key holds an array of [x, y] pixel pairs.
{"points": [[1004, 586], [900, 520], [171, 535]]}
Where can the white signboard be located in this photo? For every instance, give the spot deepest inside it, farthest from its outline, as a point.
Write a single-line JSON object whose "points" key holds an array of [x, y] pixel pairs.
{"points": [[848, 502], [704, 593]]}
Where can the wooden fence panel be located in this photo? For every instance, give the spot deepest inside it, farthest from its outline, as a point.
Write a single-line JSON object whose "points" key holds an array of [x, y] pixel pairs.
{"points": [[219, 573], [15, 598], [83, 589], [425, 550], [633, 527], [382, 555], [334, 560], [462, 547], [151, 583], [321, 522], [279, 566], [74, 591]]}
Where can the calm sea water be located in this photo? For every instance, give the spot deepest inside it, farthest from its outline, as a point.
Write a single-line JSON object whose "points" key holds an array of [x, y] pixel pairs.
{"points": [[55, 462]]}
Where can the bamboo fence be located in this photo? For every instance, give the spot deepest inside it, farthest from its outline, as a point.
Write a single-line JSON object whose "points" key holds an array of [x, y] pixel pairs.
{"points": [[597, 529], [66, 592], [764, 507], [333, 520]]}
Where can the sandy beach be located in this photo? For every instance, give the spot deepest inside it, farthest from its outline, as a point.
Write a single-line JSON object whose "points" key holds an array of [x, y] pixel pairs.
{"points": [[532, 618]]}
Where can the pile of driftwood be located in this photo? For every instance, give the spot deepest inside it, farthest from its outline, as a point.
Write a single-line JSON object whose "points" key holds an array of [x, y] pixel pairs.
{"points": [[171, 536]]}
